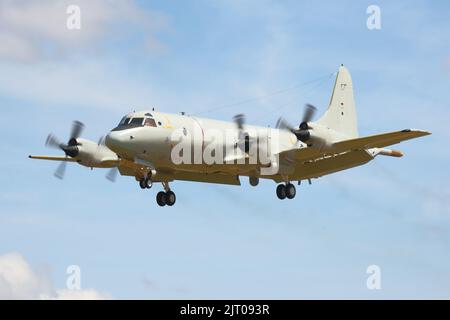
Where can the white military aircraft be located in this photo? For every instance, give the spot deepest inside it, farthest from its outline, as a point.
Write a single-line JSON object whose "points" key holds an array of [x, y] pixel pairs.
{"points": [[159, 147]]}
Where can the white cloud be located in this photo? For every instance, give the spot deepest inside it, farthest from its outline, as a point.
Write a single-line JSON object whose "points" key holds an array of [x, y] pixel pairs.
{"points": [[46, 62], [87, 294], [19, 281], [34, 31]]}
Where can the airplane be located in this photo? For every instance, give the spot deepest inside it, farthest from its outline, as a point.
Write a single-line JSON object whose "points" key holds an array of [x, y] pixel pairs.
{"points": [[151, 146]]}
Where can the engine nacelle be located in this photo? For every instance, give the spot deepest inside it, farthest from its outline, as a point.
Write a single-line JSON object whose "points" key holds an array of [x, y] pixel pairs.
{"points": [[94, 155]]}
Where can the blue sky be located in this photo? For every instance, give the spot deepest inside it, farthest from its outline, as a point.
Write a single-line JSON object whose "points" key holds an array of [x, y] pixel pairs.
{"points": [[224, 241]]}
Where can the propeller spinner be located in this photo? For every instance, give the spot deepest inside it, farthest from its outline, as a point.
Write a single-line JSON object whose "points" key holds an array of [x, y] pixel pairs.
{"points": [[302, 133]]}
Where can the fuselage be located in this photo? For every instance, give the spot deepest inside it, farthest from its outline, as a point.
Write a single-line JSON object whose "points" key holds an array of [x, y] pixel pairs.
{"points": [[213, 145]]}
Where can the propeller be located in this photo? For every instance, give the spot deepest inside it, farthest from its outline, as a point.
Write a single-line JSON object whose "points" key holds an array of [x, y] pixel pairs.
{"points": [[112, 174], [302, 133], [239, 119], [101, 141], [308, 114], [244, 138], [70, 148], [60, 171]]}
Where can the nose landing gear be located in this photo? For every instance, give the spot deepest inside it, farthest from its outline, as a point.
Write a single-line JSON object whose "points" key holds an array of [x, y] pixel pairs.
{"points": [[145, 183], [286, 191]]}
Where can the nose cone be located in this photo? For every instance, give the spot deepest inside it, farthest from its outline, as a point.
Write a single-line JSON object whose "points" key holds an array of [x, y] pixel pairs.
{"points": [[114, 140]]}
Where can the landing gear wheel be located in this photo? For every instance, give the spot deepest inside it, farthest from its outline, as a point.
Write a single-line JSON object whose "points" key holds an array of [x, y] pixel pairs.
{"points": [[253, 181], [142, 184], [290, 191], [281, 191], [161, 198], [148, 183], [170, 198]]}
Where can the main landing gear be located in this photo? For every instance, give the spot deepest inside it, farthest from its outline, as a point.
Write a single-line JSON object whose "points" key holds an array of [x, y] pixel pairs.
{"points": [[166, 197], [286, 191]]}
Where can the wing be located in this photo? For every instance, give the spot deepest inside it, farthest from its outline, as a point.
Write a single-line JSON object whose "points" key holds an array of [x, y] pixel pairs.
{"points": [[378, 140], [363, 143], [310, 163], [54, 158]]}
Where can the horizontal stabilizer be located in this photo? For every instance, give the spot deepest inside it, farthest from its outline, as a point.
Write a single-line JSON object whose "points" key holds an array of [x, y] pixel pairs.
{"points": [[54, 158], [378, 140]]}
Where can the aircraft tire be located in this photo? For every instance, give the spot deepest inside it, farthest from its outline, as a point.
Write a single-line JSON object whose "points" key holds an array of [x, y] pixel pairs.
{"points": [[170, 198], [148, 183], [281, 191], [290, 191], [161, 198]]}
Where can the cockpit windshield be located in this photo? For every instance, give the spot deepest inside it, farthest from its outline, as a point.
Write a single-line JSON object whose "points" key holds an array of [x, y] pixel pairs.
{"points": [[128, 122], [136, 121], [124, 121]]}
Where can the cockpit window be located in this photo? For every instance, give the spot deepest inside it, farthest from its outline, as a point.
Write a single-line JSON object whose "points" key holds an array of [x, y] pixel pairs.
{"points": [[124, 121], [136, 121], [129, 122], [149, 122]]}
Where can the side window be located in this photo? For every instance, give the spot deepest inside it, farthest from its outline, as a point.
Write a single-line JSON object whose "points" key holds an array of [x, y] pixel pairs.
{"points": [[149, 122], [124, 121]]}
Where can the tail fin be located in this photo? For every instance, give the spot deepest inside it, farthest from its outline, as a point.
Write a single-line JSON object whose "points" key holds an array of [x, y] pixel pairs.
{"points": [[341, 113]]}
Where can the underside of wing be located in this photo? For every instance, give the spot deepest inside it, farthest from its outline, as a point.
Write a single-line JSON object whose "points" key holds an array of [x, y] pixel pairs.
{"points": [[170, 175], [313, 166], [130, 168], [207, 177], [378, 140], [331, 164], [53, 158]]}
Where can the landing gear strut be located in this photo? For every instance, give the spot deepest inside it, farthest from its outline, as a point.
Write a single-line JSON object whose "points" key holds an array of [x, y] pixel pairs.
{"points": [[166, 197], [286, 191]]}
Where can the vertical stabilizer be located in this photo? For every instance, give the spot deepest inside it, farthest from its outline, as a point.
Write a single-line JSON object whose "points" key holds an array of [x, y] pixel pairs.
{"points": [[341, 113]]}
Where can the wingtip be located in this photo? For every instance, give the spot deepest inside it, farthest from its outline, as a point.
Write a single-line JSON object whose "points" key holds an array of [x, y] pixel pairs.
{"points": [[423, 132]]}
